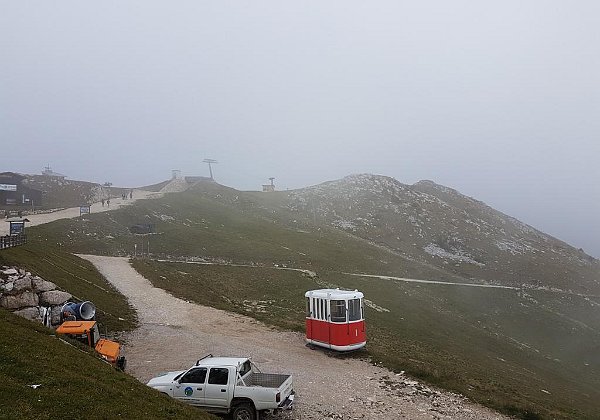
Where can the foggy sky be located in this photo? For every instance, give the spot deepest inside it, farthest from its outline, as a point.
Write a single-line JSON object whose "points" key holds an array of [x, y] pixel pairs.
{"points": [[500, 100]]}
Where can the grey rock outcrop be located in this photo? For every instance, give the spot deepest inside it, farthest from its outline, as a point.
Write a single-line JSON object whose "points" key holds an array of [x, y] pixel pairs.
{"points": [[41, 285], [55, 315], [32, 314], [23, 300], [54, 297], [21, 284], [29, 296]]}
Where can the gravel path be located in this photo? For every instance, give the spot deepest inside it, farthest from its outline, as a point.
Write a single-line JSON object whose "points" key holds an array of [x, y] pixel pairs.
{"points": [[70, 213], [175, 333]]}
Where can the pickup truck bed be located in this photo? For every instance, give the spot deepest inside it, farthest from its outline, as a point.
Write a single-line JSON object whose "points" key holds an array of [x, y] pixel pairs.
{"points": [[267, 380]]}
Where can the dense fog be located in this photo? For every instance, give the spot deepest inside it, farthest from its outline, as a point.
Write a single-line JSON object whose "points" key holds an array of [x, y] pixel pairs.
{"points": [[500, 101]]}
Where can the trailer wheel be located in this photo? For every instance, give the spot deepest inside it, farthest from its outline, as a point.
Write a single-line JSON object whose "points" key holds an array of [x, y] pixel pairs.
{"points": [[244, 412], [121, 363]]}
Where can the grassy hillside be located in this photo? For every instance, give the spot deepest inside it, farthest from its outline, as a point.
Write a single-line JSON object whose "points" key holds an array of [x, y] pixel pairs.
{"points": [[195, 225], [155, 187], [73, 383], [529, 352], [76, 276], [524, 354]]}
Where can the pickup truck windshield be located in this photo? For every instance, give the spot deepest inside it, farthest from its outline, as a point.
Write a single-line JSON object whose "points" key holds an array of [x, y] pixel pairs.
{"points": [[194, 376]]}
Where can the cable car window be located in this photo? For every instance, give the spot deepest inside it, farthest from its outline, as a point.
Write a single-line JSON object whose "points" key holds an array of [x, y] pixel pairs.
{"points": [[322, 309], [319, 308], [338, 311], [307, 307], [317, 311], [354, 310]]}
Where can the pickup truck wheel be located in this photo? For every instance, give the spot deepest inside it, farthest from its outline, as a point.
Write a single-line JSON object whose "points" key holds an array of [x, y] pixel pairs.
{"points": [[244, 412]]}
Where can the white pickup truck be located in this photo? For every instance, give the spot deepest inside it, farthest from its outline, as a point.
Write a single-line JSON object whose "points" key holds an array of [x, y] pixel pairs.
{"points": [[228, 385]]}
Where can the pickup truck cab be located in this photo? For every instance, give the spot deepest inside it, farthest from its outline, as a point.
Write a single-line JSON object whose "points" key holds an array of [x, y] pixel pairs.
{"points": [[228, 385]]}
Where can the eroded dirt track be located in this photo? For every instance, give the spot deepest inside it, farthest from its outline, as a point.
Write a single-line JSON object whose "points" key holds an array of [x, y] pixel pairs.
{"points": [[174, 334]]}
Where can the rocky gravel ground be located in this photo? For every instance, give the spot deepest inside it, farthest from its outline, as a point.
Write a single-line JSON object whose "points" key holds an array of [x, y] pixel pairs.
{"points": [[175, 333]]}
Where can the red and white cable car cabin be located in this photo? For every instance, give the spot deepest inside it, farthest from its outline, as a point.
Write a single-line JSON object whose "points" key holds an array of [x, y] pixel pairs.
{"points": [[335, 319]]}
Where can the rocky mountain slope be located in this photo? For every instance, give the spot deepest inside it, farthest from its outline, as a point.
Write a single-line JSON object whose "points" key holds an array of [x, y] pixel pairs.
{"points": [[519, 351], [431, 223]]}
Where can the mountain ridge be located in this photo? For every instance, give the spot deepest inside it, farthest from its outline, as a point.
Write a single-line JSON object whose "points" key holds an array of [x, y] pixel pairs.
{"points": [[456, 231]]}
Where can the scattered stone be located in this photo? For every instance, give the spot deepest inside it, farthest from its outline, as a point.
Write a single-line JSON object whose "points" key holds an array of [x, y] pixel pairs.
{"points": [[8, 287], [10, 271]]}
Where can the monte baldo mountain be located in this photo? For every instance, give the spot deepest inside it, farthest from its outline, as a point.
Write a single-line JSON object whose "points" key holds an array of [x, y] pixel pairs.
{"points": [[437, 225], [433, 229], [457, 294]]}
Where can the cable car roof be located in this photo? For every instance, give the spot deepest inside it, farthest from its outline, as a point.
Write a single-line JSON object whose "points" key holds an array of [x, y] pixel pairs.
{"points": [[334, 294]]}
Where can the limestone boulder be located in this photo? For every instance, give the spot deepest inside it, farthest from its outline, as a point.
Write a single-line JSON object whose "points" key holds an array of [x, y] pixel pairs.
{"points": [[41, 285], [32, 314], [21, 284], [23, 300], [55, 315], [54, 297], [10, 271], [7, 287]]}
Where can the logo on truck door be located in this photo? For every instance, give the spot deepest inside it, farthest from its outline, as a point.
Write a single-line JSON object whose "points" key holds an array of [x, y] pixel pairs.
{"points": [[188, 391]]}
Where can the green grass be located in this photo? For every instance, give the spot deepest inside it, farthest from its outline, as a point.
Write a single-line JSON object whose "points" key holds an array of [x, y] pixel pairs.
{"points": [[267, 294], [76, 276], [501, 348], [496, 346], [207, 228], [74, 383]]}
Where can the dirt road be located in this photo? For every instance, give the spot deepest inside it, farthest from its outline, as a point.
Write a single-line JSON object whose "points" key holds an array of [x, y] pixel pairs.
{"points": [[70, 213], [174, 333]]}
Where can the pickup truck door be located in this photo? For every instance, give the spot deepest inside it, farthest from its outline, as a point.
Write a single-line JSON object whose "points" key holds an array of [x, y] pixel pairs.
{"points": [[191, 386], [218, 387]]}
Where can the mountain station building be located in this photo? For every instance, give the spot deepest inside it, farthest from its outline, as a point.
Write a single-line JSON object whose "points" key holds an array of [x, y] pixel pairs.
{"points": [[14, 193]]}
